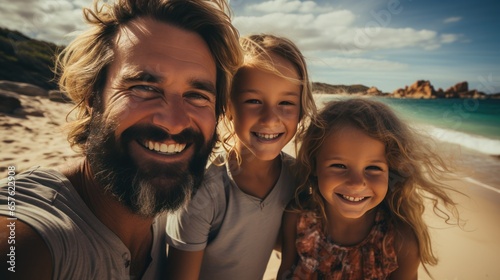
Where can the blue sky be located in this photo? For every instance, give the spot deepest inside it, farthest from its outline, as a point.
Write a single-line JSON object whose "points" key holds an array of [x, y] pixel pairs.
{"points": [[387, 44]]}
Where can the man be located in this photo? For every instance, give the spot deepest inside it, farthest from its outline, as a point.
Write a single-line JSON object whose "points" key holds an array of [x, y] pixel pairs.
{"points": [[150, 80]]}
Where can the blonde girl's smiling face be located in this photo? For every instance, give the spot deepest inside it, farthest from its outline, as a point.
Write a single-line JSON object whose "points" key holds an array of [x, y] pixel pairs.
{"points": [[265, 109], [352, 171]]}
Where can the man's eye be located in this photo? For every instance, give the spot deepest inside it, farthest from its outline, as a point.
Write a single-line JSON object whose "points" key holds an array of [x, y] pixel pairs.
{"points": [[199, 99], [144, 91]]}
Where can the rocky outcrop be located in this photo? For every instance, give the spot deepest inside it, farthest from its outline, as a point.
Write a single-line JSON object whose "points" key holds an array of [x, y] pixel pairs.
{"points": [[420, 89], [9, 102], [374, 91], [460, 87], [23, 88], [424, 89]]}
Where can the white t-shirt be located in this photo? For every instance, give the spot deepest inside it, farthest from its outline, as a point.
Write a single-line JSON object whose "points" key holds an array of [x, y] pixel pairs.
{"points": [[237, 231], [81, 246]]}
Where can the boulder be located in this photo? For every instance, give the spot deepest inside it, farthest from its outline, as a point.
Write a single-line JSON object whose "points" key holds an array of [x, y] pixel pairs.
{"points": [[472, 94], [419, 89], [23, 88], [458, 88], [373, 91], [9, 102], [59, 96]]}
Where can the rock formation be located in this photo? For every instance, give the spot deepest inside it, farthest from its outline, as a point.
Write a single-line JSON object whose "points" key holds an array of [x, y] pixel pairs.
{"points": [[424, 89]]}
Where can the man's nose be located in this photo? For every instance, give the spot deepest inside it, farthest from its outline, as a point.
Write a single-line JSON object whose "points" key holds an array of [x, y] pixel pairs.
{"points": [[172, 115]]}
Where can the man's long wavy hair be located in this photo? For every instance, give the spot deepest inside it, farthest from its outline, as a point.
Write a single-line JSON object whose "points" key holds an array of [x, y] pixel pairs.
{"points": [[416, 172], [258, 50], [82, 66]]}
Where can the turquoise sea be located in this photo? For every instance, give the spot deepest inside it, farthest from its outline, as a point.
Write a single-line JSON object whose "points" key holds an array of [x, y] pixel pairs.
{"points": [[472, 126]]}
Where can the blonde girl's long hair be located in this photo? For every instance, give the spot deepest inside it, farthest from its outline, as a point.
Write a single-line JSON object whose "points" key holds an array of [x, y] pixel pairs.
{"points": [[257, 52], [415, 170]]}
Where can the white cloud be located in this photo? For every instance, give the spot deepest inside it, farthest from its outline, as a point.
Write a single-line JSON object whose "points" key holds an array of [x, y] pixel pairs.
{"points": [[452, 19], [347, 63], [45, 20], [285, 6], [336, 30], [449, 38]]}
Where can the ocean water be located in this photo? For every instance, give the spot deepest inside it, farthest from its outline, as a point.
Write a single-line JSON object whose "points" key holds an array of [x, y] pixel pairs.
{"points": [[470, 125]]}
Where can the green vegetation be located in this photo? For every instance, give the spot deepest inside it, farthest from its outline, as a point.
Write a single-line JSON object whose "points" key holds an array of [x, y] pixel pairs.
{"points": [[26, 60], [334, 89]]}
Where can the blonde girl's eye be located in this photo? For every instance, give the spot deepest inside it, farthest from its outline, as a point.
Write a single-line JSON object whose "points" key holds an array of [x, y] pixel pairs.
{"points": [[339, 166], [287, 103], [252, 101]]}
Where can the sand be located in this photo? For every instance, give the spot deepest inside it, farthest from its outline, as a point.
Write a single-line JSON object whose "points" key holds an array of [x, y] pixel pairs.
{"points": [[473, 253], [36, 138]]}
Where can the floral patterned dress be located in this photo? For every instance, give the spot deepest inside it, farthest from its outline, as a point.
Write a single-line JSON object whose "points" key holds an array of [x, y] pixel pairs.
{"points": [[320, 258]]}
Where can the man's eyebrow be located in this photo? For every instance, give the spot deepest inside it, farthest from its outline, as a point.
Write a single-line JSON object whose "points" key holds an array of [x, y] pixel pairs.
{"points": [[140, 76], [204, 85]]}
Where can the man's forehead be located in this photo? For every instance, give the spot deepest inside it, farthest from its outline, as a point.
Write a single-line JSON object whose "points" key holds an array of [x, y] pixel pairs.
{"points": [[145, 38]]}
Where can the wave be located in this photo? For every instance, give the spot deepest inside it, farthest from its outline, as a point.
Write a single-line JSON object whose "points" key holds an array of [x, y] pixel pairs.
{"points": [[475, 142], [488, 187]]}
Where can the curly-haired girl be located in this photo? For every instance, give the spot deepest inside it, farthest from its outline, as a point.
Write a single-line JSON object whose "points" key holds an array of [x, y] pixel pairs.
{"points": [[358, 210]]}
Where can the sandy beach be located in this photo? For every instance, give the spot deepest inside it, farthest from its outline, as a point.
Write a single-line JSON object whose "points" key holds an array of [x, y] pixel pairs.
{"points": [[473, 253]]}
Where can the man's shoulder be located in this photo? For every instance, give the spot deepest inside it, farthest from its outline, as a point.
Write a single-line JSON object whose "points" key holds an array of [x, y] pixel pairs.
{"points": [[37, 183]]}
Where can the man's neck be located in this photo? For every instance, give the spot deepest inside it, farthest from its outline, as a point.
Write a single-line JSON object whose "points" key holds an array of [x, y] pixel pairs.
{"points": [[133, 230]]}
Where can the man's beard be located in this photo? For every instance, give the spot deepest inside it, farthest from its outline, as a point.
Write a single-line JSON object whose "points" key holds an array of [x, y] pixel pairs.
{"points": [[151, 188]]}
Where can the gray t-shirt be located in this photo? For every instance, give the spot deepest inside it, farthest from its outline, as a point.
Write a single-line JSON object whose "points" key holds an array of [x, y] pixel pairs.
{"points": [[81, 246], [237, 231]]}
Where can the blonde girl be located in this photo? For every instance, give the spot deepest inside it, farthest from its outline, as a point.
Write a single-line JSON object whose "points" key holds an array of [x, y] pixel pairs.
{"points": [[231, 226], [358, 210]]}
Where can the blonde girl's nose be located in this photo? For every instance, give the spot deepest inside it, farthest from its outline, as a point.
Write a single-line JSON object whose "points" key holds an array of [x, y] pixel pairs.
{"points": [[269, 115]]}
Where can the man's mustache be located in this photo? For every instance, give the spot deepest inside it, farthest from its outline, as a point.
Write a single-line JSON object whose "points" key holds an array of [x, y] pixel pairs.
{"points": [[154, 133]]}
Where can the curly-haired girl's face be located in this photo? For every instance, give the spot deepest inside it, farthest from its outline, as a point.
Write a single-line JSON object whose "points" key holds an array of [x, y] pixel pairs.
{"points": [[352, 173]]}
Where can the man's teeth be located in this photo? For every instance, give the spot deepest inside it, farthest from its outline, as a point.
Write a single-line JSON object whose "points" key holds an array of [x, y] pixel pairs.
{"points": [[354, 199], [164, 148], [267, 136]]}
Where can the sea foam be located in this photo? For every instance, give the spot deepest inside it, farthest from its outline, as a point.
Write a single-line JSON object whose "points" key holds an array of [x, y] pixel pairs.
{"points": [[478, 143]]}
